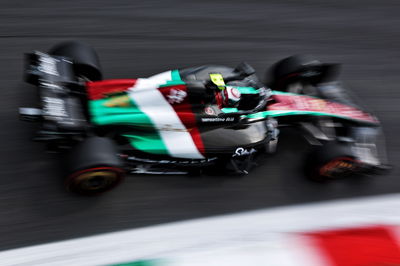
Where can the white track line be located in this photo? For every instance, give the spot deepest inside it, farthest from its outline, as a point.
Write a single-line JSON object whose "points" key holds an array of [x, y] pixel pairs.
{"points": [[239, 235]]}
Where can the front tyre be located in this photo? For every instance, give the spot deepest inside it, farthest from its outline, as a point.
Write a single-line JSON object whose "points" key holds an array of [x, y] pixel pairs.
{"points": [[287, 69], [85, 59], [334, 160]]}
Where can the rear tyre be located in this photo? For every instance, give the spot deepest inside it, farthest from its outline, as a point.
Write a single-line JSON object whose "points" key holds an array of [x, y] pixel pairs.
{"points": [[331, 161], [85, 59], [93, 167]]}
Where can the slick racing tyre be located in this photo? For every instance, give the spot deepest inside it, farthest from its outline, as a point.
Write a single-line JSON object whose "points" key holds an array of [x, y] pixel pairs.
{"points": [[85, 59], [288, 69], [93, 167], [334, 160]]}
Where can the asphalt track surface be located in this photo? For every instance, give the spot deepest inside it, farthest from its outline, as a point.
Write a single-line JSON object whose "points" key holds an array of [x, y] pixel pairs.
{"points": [[140, 38]]}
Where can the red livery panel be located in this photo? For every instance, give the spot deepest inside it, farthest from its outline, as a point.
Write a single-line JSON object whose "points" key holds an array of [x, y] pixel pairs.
{"points": [[100, 89], [288, 102]]}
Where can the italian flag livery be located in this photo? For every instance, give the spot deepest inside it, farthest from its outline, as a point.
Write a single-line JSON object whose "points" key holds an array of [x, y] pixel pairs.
{"points": [[160, 117], [158, 110]]}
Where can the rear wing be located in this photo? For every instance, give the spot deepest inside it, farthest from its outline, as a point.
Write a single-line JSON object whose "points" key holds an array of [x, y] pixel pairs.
{"points": [[44, 68], [60, 107]]}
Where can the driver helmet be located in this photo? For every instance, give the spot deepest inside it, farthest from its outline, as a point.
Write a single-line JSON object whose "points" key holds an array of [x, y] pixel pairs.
{"points": [[230, 97]]}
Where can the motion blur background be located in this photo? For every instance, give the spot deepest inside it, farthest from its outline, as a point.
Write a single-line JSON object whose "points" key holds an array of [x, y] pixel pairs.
{"points": [[140, 38]]}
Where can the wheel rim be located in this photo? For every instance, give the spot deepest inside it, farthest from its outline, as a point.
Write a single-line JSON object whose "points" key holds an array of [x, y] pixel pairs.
{"points": [[94, 180], [338, 167]]}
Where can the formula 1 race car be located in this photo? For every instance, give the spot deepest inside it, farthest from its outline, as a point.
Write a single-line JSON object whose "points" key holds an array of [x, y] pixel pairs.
{"points": [[189, 120]]}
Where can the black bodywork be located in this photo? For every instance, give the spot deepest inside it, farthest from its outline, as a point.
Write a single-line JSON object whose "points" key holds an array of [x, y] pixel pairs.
{"points": [[65, 122]]}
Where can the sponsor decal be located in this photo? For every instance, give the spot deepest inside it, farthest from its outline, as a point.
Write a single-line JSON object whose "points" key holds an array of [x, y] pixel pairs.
{"points": [[217, 119], [145, 160], [118, 101], [176, 96], [317, 104], [51, 85], [48, 65], [54, 107], [168, 127], [243, 152]]}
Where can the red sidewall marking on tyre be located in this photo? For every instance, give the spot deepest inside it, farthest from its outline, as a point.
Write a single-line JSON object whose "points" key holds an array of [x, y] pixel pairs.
{"points": [[120, 173], [323, 170]]}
